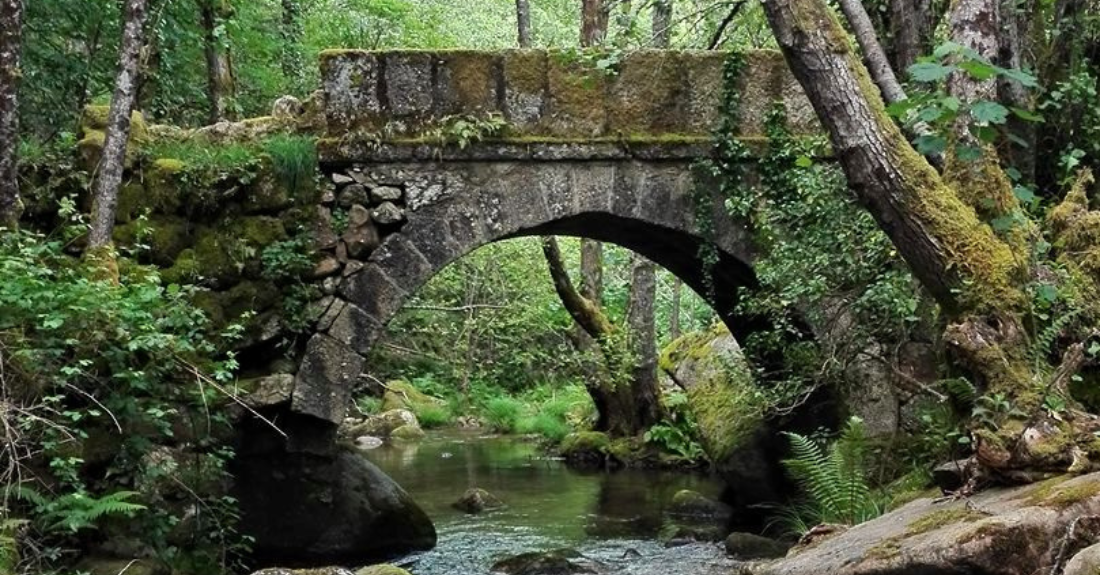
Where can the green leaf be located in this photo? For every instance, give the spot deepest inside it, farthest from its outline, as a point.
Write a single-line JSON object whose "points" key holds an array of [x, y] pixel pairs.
{"points": [[930, 145], [1024, 78], [978, 70], [968, 153], [1024, 194], [1028, 115], [989, 112], [804, 162], [929, 71]]}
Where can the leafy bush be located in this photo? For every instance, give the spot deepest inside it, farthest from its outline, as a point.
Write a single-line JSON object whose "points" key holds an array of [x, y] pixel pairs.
{"points": [[833, 480], [369, 405], [551, 426], [678, 432], [294, 159]]}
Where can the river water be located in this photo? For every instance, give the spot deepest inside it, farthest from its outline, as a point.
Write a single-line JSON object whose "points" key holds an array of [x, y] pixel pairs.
{"points": [[614, 518]]}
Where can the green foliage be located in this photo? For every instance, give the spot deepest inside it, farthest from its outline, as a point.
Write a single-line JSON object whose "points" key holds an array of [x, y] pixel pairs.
{"points": [[502, 414], [678, 433], [89, 359], [466, 129], [833, 479], [433, 415], [1072, 111], [294, 159], [368, 405]]}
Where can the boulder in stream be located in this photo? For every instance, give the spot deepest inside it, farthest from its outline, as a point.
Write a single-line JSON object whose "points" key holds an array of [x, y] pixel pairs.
{"points": [[382, 570], [333, 509], [477, 500], [556, 562], [695, 505], [1003, 531], [745, 546], [381, 425]]}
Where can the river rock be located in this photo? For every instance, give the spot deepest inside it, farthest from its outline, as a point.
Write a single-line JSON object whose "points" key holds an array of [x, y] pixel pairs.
{"points": [[745, 546], [744, 447], [387, 214], [1085, 562], [314, 571], [312, 509], [408, 433], [401, 394], [381, 425], [692, 504], [476, 500], [352, 195], [1004, 531], [381, 570], [556, 562]]}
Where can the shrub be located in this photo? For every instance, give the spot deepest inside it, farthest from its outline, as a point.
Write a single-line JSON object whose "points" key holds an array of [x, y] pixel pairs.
{"points": [[433, 415], [552, 427], [502, 413]]}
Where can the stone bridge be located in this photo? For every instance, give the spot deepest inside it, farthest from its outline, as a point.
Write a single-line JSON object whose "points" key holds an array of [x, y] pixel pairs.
{"points": [[567, 149]]}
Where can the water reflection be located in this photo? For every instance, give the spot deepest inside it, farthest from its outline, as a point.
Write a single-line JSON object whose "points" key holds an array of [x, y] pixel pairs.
{"points": [[612, 517]]}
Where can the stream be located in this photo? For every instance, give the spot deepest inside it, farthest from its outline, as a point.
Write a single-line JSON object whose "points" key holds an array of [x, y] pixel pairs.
{"points": [[614, 518]]}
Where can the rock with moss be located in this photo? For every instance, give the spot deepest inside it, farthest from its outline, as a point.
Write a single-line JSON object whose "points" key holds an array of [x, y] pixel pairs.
{"points": [[1007, 531], [385, 569], [381, 425], [401, 394], [746, 546], [1085, 562], [311, 571], [586, 448], [477, 500], [692, 504]]}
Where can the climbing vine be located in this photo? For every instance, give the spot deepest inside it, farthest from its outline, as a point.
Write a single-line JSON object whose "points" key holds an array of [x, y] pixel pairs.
{"points": [[725, 166]]}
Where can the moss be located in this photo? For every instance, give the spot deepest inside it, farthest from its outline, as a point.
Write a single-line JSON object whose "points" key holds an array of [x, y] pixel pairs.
{"points": [[381, 570], [166, 237], [525, 71], [942, 518], [471, 80], [647, 95], [169, 165], [407, 432], [401, 394], [97, 118], [250, 296], [577, 99], [183, 271], [886, 549], [261, 231], [215, 256], [585, 442], [210, 302], [1064, 496], [692, 345]]}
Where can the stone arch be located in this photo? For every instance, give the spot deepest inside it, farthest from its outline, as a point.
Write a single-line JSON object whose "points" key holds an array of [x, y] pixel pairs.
{"points": [[647, 205]]}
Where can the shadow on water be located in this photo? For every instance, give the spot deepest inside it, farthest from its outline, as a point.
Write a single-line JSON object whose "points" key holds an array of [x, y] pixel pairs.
{"points": [[614, 518]]}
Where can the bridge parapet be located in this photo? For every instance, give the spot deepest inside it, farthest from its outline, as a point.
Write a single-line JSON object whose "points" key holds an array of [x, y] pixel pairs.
{"points": [[552, 95]]}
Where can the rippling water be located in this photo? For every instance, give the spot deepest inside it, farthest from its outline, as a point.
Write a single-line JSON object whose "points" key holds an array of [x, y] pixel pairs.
{"points": [[613, 518]]}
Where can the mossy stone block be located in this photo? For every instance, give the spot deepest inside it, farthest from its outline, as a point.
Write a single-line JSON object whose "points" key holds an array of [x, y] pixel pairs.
{"points": [[467, 82], [648, 94], [577, 104]]}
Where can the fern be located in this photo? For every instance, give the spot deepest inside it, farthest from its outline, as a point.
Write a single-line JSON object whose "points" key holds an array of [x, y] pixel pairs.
{"points": [[78, 510], [961, 389], [833, 480], [1044, 341]]}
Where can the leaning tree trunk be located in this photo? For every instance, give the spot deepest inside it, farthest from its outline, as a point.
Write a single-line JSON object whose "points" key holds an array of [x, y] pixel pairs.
{"points": [[976, 277], [11, 28], [621, 412], [910, 22], [113, 161]]}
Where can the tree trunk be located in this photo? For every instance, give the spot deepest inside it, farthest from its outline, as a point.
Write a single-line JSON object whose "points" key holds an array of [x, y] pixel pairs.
{"points": [[594, 17], [643, 336], [117, 137], [11, 48], [976, 277], [662, 24], [910, 20], [292, 43], [621, 411], [873, 53], [674, 315], [219, 68], [523, 23]]}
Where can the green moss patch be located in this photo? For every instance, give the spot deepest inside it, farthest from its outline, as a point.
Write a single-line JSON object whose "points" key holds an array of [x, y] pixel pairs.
{"points": [[942, 518]]}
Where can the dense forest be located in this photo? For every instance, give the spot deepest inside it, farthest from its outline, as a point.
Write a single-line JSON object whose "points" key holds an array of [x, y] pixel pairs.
{"points": [[902, 372]]}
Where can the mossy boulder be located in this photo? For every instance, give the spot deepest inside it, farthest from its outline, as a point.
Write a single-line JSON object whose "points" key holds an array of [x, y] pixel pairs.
{"points": [[555, 562], [1008, 531], [688, 503], [381, 570], [93, 126], [380, 425], [165, 236], [586, 448], [401, 394], [408, 433], [746, 546]]}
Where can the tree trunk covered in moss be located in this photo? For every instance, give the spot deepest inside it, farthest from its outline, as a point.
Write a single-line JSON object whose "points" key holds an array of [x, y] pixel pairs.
{"points": [[11, 48], [624, 406], [977, 277], [219, 68], [113, 161]]}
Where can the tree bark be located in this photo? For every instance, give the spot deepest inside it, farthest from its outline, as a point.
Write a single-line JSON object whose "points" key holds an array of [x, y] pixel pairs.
{"points": [[662, 24], [523, 23], [219, 67], [117, 137], [592, 270], [643, 336], [11, 49], [292, 33], [674, 315], [594, 18], [873, 54], [910, 20], [584, 310], [937, 234]]}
